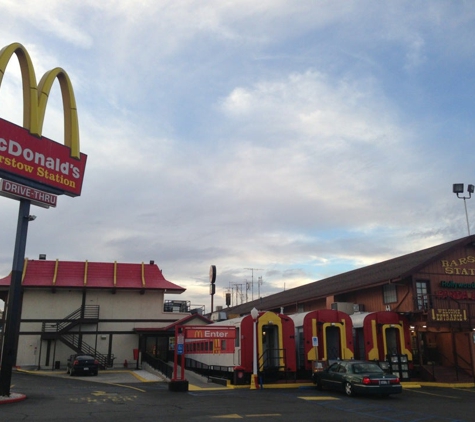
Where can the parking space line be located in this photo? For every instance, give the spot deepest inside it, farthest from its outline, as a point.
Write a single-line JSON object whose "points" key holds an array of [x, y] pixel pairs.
{"points": [[437, 395], [319, 398]]}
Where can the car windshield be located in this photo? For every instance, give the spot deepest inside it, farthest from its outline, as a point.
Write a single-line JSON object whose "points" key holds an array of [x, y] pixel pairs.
{"points": [[366, 368]]}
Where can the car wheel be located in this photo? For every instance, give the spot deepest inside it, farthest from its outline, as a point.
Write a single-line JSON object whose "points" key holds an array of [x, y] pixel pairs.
{"points": [[349, 389]]}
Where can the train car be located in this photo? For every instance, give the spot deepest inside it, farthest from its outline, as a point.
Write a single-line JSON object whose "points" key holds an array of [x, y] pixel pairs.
{"points": [[275, 345], [385, 337], [321, 336], [216, 352]]}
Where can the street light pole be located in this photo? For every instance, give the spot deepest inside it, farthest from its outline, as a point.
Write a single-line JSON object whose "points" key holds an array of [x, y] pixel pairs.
{"points": [[254, 315], [458, 189]]}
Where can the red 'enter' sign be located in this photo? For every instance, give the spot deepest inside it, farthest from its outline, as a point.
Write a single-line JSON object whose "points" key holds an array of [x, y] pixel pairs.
{"points": [[210, 332]]}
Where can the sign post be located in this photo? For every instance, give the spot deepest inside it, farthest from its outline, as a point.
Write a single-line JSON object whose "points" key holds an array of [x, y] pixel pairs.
{"points": [[13, 312]]}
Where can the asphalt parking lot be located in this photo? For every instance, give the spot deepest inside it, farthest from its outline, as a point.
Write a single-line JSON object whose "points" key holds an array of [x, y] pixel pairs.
{"points": [[140, 395]]}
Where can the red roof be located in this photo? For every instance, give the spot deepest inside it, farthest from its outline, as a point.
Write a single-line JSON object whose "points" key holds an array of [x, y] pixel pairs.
{"points": [[93, 275], [172, 326]]}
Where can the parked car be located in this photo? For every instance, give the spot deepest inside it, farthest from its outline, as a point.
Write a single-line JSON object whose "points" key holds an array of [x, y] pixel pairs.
{"points": [[357, 377], [82, 364]]}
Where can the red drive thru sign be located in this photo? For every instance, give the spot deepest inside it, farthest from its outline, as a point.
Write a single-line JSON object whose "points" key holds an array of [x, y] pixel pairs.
{"points": [[15, 190]]}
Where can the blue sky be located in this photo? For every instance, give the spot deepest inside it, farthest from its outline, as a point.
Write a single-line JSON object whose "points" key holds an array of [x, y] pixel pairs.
{"points": [[303, 139]]}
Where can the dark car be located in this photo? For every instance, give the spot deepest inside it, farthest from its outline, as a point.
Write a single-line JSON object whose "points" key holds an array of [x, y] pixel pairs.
{"points": [[82, 364], [357, 377]]}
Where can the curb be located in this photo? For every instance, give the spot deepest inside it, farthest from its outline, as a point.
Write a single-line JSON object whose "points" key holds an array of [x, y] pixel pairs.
{"points": [[12, 398]]}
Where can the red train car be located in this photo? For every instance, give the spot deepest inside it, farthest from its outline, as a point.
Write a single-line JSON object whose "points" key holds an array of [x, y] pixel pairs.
{"points": [[275, 346], [385, 337], [321, 336]]}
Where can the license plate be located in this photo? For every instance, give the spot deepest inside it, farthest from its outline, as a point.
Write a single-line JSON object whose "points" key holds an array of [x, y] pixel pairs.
{"points": [[384, 382], [86, 368]]}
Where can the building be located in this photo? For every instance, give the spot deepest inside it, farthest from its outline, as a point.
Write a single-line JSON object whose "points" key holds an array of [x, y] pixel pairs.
{"points": [[433, 288], [91, 307]]}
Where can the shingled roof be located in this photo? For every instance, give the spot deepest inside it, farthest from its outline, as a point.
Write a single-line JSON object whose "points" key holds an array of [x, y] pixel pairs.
{"points": [[372, 275], [93, 275]]}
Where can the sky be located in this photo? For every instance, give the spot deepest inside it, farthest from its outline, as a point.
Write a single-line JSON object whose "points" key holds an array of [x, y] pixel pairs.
{"points": [[282, 141]]}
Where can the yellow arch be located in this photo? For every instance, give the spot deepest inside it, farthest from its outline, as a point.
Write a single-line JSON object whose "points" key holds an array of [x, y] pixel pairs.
{"points": [[35, 97], [30, 93]]}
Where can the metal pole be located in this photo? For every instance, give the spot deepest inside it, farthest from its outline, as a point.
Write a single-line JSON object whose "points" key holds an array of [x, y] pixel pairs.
{"points": [[466, 215], [13, 313], [254, 351], [254, 315]]}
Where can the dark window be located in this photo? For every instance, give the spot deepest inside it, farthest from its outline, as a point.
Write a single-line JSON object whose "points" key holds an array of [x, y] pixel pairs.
{"points": [[422, 294], [389, 293]]}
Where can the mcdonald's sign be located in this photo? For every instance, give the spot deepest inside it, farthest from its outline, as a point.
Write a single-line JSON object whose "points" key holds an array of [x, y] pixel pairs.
{"points": [[26, 156]]}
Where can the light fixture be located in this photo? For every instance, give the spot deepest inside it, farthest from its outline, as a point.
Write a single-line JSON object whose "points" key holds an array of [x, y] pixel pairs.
{"points": [[30, 217], [457, 188]]}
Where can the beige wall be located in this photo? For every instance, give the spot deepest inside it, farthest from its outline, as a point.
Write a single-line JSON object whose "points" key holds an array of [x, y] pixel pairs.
{"points": [[124, 310]]}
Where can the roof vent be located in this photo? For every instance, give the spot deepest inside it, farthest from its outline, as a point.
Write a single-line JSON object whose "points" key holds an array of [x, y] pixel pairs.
{"points": [[42, 256], [152, 262]]}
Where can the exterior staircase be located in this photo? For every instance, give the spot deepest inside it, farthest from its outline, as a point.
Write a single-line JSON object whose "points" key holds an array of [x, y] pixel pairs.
{"points": [[61, 331]]}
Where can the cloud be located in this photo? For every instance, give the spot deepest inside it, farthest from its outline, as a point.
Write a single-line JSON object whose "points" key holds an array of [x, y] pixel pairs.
{"points": [[301, 138]]}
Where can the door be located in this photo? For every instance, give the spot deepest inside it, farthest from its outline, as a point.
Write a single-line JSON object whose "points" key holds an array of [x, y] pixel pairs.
{"points": [[333, 343], [270, 346]]}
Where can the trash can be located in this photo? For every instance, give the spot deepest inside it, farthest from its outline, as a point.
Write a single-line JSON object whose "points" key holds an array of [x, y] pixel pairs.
{"points": [[240, 377]]}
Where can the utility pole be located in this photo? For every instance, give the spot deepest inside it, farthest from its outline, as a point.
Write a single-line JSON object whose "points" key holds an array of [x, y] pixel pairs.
{"points": [[259, 284], [252, 279], [238, 289]]}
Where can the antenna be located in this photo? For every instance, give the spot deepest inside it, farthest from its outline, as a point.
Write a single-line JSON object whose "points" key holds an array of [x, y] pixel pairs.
{"points": [[252, 279]]}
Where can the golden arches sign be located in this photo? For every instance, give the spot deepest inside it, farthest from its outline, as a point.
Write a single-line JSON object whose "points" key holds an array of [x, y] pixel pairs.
{"points": [[50, 165]]}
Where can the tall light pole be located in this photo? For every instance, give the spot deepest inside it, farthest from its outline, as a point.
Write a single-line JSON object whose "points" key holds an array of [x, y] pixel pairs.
{"points": [[458, 189], [254, 315]]}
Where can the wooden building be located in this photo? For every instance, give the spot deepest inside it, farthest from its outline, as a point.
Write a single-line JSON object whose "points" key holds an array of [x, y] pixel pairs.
{"points": [[434, 289]]}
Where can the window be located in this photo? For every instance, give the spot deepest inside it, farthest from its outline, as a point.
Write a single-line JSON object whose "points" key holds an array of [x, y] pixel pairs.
{"points": [[389, 293], [422, 294]]}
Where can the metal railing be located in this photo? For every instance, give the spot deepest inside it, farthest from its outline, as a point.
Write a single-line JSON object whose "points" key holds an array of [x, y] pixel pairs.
{"points": [[75, 342], [89, 312], [158, 364]]}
